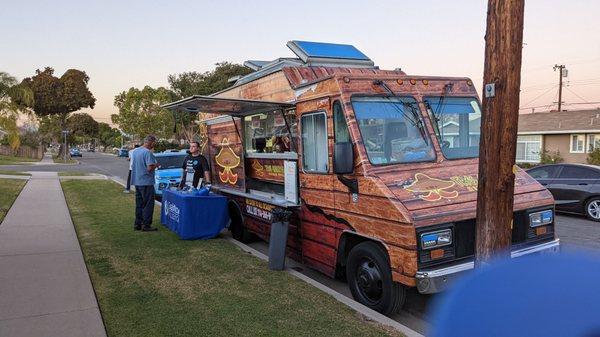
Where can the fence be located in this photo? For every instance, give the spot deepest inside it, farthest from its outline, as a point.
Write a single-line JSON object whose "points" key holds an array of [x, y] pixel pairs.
{"points": [[23, 151]]}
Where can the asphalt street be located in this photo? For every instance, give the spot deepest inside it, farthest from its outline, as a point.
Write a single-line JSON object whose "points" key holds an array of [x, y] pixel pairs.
{"points": [[575, 232]]}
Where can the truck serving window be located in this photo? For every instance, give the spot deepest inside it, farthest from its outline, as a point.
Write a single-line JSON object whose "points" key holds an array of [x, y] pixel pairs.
{"points": [[457, 123], [392, 130], [268, 133]]}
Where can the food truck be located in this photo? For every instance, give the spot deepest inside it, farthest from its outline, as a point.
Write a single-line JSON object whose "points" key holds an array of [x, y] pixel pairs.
{"points": [[378, 168]]}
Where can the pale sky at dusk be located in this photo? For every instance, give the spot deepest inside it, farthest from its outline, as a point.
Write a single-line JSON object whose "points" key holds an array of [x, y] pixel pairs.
{"points": [[121, 44]]}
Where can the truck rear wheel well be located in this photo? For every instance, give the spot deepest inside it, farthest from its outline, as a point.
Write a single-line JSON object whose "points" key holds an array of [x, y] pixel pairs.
{"points": [[347, 242]]}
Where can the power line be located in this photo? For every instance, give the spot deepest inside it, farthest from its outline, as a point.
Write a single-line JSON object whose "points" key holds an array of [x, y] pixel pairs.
{"points": [[574, 93], [545, 92]]}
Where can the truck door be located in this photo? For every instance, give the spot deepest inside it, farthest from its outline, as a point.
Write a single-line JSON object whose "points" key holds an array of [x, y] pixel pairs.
{"points": [[316, 190]]}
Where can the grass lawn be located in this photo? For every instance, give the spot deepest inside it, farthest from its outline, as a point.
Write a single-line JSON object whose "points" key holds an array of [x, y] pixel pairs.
{"points": [[14, 173], [9, 190], [72, 173], [61, 161], [153, 284], [12, 160]]}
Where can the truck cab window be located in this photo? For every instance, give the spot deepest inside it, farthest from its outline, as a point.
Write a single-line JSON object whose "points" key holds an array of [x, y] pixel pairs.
{"points": [[315, 150], [268, 133], [392, 130], [457, 124], [339, 124]]}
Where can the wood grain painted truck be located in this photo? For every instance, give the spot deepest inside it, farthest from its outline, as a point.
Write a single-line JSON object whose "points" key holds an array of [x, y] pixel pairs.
{"points": [[379, 169]]}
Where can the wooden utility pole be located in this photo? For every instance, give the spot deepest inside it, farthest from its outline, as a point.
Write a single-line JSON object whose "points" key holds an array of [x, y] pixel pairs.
{"points": [[502, 81], [560, 77]]}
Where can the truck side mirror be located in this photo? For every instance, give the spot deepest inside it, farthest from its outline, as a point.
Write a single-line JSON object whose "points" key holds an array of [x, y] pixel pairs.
{"points": [[343, 158]]}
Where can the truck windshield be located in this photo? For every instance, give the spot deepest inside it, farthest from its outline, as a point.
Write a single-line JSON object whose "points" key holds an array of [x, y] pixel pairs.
{"points": [[392, 130], [457, 123], [169, 162]]}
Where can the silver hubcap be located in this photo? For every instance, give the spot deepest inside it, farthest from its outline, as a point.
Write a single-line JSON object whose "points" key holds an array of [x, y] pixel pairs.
{"points": [[593, 209]]}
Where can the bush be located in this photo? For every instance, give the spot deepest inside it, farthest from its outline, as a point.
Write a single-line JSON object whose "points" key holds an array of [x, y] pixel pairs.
{"points": [[594, 157], [550, 157], [526, 165]]}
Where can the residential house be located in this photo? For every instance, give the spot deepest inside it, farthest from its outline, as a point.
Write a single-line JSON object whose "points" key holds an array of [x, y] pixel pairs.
{"points": [[573, 134]]}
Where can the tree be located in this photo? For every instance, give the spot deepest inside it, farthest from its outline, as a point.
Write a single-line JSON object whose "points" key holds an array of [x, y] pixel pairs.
{"points": [[140, 113], [108, 136], [14, 99], [82, 125], [55, 96], [194, 83]]}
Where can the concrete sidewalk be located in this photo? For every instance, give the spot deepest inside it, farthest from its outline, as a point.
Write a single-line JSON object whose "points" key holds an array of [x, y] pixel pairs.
{"points": [[45, 289]]}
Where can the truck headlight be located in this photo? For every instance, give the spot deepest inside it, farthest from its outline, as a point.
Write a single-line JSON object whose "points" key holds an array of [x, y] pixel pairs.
{"points": [[162, 186], [436, 239], [541, 218]]}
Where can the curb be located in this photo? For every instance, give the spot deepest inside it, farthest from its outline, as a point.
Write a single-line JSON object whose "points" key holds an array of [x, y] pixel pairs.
{"points": [[352, 304]]}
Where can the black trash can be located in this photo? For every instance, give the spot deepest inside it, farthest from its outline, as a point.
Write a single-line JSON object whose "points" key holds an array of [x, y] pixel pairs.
{"points": [[278, 240]]}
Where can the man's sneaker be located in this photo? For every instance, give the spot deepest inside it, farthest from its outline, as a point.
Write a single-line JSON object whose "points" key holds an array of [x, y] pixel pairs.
{"points": [[137, 228], [149, 229], [126, 191]]}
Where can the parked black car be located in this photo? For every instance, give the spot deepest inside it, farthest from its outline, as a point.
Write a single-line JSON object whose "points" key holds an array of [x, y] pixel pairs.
{"points": [[575, 187]]}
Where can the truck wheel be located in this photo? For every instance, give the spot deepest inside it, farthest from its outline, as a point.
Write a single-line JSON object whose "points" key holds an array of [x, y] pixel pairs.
{"points": [[370, 279], [237, 228], [592, 209]]}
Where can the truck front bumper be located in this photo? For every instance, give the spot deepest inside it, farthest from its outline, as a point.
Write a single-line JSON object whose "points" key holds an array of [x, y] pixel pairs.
{"points": [[436, 280]]}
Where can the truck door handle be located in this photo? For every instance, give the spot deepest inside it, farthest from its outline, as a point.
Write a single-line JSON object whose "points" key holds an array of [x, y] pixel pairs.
{"points": [[544, 184], [582, 184]]}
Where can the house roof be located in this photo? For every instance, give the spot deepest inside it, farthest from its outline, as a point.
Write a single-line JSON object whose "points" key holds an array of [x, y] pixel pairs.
{"points": [[554, 122]]}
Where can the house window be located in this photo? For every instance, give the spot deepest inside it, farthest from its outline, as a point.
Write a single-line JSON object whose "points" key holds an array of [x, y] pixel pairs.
{"points": [[529, 148], [577, 143], [593, 142]]}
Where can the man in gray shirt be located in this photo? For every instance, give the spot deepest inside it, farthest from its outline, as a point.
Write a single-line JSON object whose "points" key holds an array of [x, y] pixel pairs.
{"points": [[143, 164]]}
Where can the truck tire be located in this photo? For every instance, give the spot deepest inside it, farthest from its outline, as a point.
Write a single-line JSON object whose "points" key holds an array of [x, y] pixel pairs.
{"points": [[369, 278], [237, 228]]}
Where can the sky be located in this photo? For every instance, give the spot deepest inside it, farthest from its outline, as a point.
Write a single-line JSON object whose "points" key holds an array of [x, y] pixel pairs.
{"points": [[123, 44]]}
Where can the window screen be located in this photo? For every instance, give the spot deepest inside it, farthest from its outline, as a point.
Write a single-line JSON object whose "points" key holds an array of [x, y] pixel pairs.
{"points": [[315, 153]]}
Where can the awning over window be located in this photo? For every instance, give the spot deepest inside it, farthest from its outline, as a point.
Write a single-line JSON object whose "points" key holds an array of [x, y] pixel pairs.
{"points": [[226, 106]]}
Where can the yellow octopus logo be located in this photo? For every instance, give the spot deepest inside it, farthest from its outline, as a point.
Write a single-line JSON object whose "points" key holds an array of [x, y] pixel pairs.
{"points": [[258, 168], [228, 160]]}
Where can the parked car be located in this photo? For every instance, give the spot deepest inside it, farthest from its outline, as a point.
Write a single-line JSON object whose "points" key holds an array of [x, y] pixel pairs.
{"points": [[74, 152], [575, 187], [170, 170], [123, 152]]}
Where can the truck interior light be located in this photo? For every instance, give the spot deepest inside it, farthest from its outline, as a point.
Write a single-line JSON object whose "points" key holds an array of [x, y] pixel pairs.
{"points": [[426, 82], [400, 82], [413, 81], [469, 83]]}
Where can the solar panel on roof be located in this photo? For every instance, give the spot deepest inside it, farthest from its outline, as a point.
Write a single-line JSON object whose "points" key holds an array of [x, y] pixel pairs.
{"points": [[330, 50], [311, 52]]}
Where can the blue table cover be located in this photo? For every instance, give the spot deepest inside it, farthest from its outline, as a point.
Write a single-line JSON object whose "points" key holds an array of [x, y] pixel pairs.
{"points": [[194, 217]]}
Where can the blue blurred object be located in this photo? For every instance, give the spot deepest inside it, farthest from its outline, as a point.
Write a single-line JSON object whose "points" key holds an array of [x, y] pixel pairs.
{"points": [[545, 295], [194, 217], [202, 191]]}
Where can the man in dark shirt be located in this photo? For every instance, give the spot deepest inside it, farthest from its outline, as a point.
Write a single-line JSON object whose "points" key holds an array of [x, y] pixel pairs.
{"points": [[195, 166]]}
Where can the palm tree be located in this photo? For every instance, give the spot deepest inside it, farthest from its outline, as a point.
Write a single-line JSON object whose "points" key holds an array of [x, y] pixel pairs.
{"points": [[14, 98]]}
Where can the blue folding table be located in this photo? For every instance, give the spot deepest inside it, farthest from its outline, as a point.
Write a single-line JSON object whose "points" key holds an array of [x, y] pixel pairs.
{"points": [[194, 217]]}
